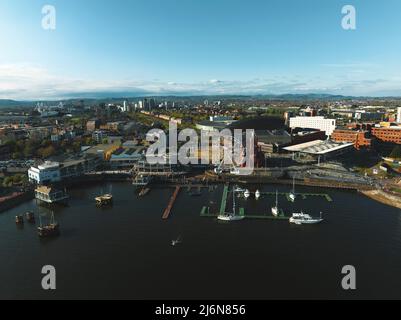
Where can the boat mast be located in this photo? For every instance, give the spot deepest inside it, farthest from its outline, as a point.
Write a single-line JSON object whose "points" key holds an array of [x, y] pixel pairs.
{"points": [[293, 184], [233, 201], [276, 198]]}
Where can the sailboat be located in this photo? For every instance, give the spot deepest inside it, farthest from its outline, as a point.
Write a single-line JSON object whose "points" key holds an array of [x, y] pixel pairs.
{"points": [[231, 216], [275, 210], [292, 194], [49, 230]]}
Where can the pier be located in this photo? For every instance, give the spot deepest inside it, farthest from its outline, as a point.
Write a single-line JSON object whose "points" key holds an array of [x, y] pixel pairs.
{"points": [[224, 200], [304, 196], [205, 213], [167, 212]]}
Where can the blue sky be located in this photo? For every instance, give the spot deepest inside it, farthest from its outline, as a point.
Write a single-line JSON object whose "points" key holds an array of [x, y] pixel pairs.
{"points": [[199, 47]]}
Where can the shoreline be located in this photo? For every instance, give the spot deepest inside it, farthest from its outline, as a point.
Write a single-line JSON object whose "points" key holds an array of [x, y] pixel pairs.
{"points": [[383, 197], [374, 194]]}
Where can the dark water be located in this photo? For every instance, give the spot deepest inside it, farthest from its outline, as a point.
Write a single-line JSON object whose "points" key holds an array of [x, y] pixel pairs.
{"points": [[125, 251]]}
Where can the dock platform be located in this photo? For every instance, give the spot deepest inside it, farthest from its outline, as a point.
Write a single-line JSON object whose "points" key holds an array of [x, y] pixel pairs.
{"points": [[224, 200], [304, 196], [205, 213]]}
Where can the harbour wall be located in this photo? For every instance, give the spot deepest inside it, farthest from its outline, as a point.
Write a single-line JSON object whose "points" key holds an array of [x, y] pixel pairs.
{"points": [[15, 199]]}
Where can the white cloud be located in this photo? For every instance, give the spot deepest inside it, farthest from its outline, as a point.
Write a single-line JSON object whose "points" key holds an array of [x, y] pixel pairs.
{"points": [[25, 82]]}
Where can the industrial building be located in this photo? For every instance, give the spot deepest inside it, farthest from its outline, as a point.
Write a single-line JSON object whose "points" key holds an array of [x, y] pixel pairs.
{"points": [[321, 149]]}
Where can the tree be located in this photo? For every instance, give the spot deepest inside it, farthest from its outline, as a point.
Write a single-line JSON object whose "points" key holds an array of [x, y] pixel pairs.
{"points": [[46, 152]]}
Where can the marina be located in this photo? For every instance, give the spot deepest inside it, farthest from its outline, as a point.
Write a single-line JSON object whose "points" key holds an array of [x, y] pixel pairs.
{"points": [[206, 212]]}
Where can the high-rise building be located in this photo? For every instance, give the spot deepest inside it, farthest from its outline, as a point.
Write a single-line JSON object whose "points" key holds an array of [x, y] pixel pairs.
{"points": [[152, 103], [399, 114]]}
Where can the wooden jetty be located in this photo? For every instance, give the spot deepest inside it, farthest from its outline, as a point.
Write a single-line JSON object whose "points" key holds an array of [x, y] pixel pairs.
{"points": [[170, 205]]}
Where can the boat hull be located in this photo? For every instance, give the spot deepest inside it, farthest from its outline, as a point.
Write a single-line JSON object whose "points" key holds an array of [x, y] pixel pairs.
{"points": [[230, 218]]}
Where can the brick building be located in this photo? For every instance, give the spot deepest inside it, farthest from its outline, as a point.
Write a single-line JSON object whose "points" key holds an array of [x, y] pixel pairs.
{"points": [[358, 137], [387, 134]]}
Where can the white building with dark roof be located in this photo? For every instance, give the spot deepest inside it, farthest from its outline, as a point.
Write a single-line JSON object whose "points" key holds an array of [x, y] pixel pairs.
{"points": [[319, 123]]}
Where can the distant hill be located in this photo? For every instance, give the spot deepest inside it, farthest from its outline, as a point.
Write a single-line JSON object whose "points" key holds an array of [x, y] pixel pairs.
{"points": [[4, 103], [99, 97]]}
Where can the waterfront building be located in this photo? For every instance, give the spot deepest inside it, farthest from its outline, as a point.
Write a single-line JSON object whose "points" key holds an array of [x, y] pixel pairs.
{"points": [[50, 195], [319, 123], [48, 172], [125, 158], [55, 171]]}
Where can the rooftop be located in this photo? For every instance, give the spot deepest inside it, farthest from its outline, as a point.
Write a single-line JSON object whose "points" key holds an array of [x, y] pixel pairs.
{"points": [[318, 147]]}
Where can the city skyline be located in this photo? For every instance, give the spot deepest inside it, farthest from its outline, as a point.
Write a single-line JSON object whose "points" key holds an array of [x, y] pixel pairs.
{"points": [[198, 48]]}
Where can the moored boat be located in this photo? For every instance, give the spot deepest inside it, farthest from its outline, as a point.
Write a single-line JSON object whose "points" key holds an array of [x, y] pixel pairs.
{"points": [[104, 200], [275, 209], [231, 216], [19, 219], [51, 229], [303, 218], [30, 217]]}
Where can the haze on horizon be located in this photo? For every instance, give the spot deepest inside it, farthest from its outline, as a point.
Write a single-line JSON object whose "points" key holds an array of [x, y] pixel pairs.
{"points": [[208, 47]]}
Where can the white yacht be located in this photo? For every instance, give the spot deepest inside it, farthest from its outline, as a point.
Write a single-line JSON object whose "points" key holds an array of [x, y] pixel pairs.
{"points": [[303, 218], [239, 189], [275, 209], [257, 194], [229, 217]]}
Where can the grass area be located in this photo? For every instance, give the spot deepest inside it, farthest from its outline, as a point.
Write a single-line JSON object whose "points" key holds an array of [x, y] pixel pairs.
{"points": [[397, 190]]}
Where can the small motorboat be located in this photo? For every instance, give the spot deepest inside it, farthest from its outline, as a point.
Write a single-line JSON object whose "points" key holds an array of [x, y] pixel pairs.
{"points": [[104, 200], [275, 210], [257, 194], [247, 194], [19, 220], [30, 217], [175, 242]]}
